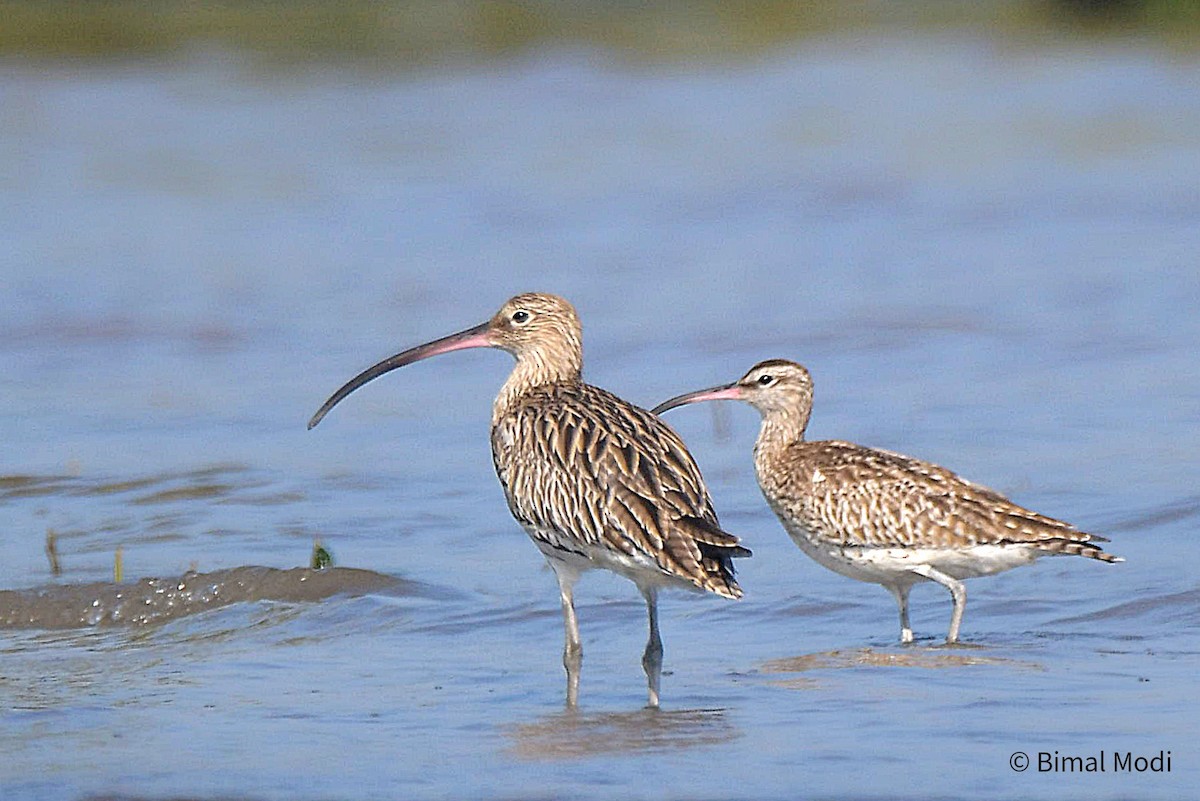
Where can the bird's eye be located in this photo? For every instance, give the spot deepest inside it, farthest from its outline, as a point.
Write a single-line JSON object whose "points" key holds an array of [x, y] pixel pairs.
{"points": [[520, 317], [764, 380]]}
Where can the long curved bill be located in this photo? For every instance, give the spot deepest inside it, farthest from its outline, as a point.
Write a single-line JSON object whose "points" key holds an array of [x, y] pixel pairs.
{"points": [[725, 392], [476, 337]]}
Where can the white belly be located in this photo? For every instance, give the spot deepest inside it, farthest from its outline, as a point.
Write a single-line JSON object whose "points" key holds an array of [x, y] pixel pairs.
{"points": [[571, 555], [891, 566]]}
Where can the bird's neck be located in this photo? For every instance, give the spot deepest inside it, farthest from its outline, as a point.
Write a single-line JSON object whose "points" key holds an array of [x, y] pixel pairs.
{"points": [[780, 429], [534, 371]]}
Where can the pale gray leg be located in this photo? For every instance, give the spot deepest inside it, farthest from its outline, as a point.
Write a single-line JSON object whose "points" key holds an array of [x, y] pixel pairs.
{"points": [[573, 650], [652, 659], [900, 591], [957, 589]]}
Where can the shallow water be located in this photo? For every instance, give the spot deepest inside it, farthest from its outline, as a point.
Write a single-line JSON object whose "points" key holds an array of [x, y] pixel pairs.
{"points": [[985, 253]]}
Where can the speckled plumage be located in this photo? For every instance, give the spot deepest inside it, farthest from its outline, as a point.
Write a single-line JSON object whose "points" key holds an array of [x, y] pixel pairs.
{"points": [[595, 481], [594, 477], [868, 497], [879, 516]]}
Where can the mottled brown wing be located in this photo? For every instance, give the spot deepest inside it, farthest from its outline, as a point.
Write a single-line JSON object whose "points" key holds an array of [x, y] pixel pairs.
{"points": [[595, 471], [870, 497]]}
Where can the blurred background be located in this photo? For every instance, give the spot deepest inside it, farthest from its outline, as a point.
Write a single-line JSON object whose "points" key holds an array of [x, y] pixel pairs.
{"points": [[977, 224], [403, 34], [212, 212]]}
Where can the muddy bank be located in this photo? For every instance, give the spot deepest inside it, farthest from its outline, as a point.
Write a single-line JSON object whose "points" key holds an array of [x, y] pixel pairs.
{"points": [[157, 600]]}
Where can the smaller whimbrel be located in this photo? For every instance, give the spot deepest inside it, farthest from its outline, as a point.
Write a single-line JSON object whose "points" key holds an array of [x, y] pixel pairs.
{"points": [[596, 482], [879, 516]]}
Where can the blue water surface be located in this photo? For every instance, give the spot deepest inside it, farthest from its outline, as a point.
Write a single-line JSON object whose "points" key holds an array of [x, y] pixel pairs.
{"points": [[985, 252]]}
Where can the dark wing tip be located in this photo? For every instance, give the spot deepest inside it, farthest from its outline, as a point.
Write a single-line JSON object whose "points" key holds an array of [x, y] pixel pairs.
{"points": [[740, 552], [711, 534]]}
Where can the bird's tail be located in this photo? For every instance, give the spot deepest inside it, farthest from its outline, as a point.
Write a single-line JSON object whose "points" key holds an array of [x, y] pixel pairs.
{"points": [[718, 549], [1071, 547], [1050, 536]]}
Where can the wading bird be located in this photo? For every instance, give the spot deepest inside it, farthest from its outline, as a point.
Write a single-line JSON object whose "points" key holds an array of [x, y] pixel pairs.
{"points": [[878, 516], [596, 482]]}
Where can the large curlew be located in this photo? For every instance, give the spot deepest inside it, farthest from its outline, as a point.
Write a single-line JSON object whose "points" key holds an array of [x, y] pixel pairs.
{"points": [[596, 482]]}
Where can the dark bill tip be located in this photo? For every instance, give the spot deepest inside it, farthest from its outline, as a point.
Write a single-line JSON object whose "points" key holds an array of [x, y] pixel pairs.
{"points": [[725, 392], [476, 337]]}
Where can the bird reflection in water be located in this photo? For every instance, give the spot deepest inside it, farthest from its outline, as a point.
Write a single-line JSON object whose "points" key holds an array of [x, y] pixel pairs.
{"points": [[571, 734]]}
